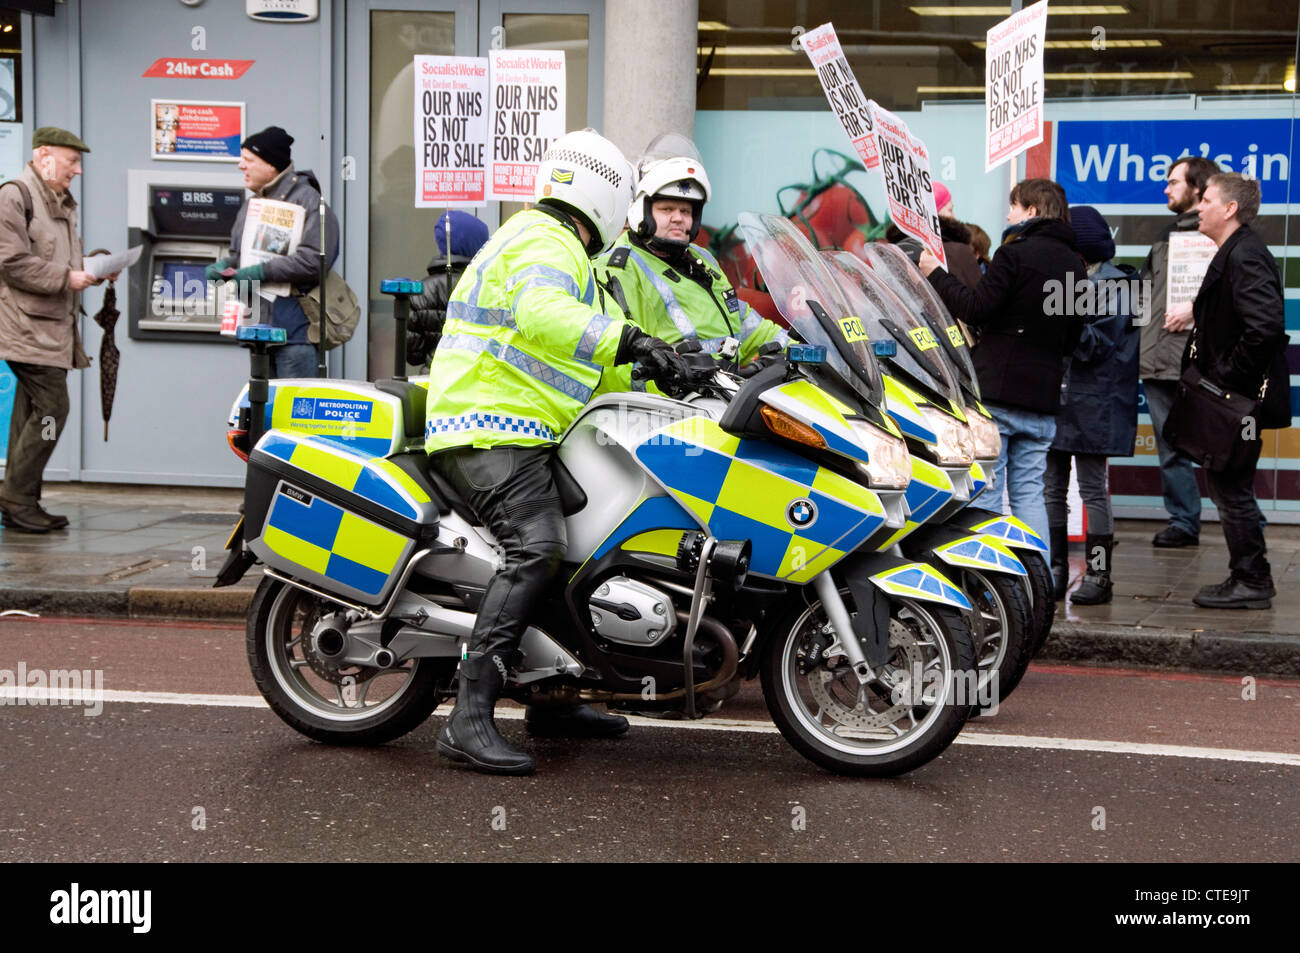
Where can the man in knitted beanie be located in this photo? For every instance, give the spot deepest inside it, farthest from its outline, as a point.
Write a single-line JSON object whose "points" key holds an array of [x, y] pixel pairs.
{"points": [[266, 160]]}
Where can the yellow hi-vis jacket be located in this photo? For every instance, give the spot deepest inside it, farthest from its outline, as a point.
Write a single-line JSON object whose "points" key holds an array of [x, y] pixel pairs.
{"points": [[675, 306], [523, 345]]}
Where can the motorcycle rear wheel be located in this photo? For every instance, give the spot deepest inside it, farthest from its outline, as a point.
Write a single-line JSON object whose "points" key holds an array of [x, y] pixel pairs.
{"points": [[880, 729], [342, 705]]}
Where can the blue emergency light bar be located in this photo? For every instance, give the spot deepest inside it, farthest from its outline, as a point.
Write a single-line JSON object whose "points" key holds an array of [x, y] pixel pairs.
{"points": [[260, 332], [887, 347], [400, 286], [806, 354]]}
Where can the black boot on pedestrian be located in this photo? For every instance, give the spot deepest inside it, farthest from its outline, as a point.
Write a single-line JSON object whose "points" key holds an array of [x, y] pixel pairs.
{"points": [[1171, 537], [470, 735], [1096, 587], [1235, 593], [1060, 542], [26, 519], [579, 721]]}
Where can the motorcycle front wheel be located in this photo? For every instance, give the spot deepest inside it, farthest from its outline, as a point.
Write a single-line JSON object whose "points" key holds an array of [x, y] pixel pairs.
{"points": [[905, 716], [328, 702], [1002, 630], [1042, 587]]}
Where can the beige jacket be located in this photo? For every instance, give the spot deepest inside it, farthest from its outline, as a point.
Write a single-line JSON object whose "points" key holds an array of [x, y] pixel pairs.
{"points": [[38, 311]]}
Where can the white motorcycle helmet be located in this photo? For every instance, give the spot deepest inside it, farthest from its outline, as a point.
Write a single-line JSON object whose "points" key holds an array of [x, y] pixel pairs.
{"points": [[586, 174], [670, 168]]}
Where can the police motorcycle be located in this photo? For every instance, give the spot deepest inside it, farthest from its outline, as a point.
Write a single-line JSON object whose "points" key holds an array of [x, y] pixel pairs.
{"points": [[902, 277], [925, 400], [728, 534]]}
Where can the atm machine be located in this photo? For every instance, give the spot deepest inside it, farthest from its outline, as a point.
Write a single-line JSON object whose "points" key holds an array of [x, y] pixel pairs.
{"points": [[184, 227]]}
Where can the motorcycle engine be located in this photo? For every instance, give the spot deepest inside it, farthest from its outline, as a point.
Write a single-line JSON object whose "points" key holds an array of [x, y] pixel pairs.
{"points": [[632, 613]]}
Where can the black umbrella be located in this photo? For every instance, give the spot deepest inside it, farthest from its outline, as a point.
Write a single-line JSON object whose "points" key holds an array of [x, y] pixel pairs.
{"points": [[109, 356]]}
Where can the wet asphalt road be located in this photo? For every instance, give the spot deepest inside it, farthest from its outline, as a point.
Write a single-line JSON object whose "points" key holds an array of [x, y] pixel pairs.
{"points": [[134, 783]]}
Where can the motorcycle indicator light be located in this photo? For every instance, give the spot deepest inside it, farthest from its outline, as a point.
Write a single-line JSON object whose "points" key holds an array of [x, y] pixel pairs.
{"points": [[238, 440], [783, 425], [889, 464], [955, 443], [988, 442]]}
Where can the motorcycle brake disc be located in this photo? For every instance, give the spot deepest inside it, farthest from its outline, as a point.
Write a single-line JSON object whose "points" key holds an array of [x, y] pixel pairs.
{"points": [[822, 685]]}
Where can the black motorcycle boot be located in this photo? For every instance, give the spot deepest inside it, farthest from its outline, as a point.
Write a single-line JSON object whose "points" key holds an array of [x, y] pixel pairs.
{"points": [[1060, 542], [578, 721], [1096, 588], [470, 735]]}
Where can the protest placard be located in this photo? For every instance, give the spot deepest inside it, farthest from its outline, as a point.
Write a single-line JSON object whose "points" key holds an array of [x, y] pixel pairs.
{"points": [[842, 91], [527, 112], [1190, 254], [905, 164], [1013, 85], [451, 123]]}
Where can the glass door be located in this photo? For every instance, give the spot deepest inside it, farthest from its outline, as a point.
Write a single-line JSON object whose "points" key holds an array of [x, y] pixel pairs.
{"points": [[383, 37], [575, 26]]}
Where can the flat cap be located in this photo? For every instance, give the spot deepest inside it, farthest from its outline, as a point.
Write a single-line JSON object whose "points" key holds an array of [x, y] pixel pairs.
{"points": [[54, 136]]}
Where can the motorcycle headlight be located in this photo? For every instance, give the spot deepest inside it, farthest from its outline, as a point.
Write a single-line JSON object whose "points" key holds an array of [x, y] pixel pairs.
{"points": [[956, 445], [890, 464], [988, 442]]}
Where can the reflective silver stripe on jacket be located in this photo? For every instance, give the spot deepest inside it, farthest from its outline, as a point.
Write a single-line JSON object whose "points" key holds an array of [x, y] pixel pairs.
{"points": [[595, 330], [538, 370], [544, 276], [685, 327]]}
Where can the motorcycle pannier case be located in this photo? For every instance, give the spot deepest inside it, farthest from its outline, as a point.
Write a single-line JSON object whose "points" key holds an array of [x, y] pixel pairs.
{"points": [[324, 515]]}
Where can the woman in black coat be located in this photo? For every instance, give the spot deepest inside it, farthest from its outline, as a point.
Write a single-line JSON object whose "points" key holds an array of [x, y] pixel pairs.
{"points": [[1099, 398], [1022, 337]]}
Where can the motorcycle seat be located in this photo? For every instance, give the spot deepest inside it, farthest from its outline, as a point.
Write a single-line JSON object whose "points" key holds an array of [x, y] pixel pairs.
{"points": [[413, 398], [415, 464]]}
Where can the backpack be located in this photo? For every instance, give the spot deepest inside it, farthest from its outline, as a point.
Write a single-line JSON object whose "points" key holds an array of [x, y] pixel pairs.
{"points": [[27, 199]]}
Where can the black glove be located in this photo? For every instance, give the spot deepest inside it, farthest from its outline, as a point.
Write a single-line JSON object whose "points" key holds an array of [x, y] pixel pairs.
{"points": [[659, 362], [769, 354]]}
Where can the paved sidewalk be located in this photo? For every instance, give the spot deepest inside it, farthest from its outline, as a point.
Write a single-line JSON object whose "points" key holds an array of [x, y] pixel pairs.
{"points": [[155, 551]]}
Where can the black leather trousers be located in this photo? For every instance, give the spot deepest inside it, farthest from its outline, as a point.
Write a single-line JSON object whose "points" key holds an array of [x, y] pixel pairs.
{"points": [[512, 490]]}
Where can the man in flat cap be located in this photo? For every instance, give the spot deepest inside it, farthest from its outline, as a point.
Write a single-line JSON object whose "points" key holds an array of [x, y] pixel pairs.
{"points": [[41, 280], [267, 164]]}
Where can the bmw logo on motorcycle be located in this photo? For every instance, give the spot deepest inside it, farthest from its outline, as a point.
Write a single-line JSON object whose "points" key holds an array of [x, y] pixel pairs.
{"points": [[801, 513]]}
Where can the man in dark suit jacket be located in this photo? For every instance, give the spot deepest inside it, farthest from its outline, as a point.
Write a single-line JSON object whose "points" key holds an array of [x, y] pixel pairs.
{"points": [[1239, 343]]}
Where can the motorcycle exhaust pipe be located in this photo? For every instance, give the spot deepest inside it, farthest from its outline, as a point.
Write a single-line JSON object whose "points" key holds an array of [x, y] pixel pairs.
{"points": [[330, 643]]}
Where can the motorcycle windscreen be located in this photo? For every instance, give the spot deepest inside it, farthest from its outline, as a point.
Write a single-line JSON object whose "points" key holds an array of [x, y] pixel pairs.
{"points": [[906, 281], [796, 276], [885, 315]]}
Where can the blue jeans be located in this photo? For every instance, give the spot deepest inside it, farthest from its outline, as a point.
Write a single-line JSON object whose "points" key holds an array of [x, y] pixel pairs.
{"points": [[1026, 438], [1177, 474], [293, 360]]}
